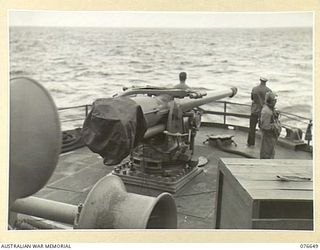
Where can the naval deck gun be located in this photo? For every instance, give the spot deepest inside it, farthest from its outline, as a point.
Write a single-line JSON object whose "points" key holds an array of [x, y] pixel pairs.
{"points": [[148, 134]]}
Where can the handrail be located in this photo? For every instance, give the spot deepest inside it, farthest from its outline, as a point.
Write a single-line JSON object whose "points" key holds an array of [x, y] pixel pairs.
{"points": [[287, 114], [72, 120], [235, 103], [86, 106], [73, 107], [223, 113]]}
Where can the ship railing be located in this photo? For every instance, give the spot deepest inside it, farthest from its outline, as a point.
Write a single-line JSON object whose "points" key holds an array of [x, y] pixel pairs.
{"points": [[225, 113], [235, 111], [233, 114], [73, 116]]}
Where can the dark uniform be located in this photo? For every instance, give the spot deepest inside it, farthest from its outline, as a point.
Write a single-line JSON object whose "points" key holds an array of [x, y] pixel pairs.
{"points": [[271, 128], [258, 94]]}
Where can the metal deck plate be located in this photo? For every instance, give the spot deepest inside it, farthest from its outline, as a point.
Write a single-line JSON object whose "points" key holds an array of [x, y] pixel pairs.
{"points": [[169, 184]]}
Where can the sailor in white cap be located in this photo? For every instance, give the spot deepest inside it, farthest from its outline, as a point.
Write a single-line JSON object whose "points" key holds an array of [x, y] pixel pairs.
{"points": [[270, 127], [258, 94], [263, 79]]}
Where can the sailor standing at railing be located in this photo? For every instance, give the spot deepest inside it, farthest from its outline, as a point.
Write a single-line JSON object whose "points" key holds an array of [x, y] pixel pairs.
{"points": [[270, 127], [182, 79], [258, 94]]}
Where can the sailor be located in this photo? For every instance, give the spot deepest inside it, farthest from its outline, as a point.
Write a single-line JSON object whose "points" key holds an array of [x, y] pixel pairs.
{"points": [[258, 97], [182, 84], [270, 127]]}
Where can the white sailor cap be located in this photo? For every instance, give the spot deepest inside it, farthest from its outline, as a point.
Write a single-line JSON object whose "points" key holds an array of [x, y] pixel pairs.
{"points": [[263, 79]]}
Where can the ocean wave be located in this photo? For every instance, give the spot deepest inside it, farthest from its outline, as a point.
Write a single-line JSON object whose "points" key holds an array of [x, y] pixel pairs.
{"points": [[185, 63], [208, 54], [100, 62], [303, 109], [283, 92], [202, 65], [302, 65], [115, 52], [63, 91], [61, 62], [308, 57], [118, 74], [134, 62], [103, 73], [231, 71], [19, 72], [59, 59], [143, 71], [136, 81], [146, 66], [214, 71], [88, 73], [118, 84]]}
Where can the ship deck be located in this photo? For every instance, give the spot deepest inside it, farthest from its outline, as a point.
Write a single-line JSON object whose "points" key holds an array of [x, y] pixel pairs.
{"points": [[77, 171]]}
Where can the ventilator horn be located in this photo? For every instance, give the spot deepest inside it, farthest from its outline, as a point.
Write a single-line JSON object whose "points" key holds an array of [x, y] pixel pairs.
{"points": [[35, 137], [107, 206]]}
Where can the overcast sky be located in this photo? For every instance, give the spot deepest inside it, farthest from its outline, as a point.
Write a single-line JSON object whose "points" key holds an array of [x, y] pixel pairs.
{"points": [[160, 19]]}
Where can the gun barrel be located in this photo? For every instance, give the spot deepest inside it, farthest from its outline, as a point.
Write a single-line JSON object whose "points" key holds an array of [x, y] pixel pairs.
{"points": [[130, 119], [154, 109], [192, 103]]}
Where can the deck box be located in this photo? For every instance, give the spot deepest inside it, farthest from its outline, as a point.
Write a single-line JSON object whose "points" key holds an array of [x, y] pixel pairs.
{"points": [[264, 194]]}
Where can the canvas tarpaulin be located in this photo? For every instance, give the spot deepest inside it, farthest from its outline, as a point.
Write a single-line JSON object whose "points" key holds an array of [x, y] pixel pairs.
{"points": [[113, 128]]}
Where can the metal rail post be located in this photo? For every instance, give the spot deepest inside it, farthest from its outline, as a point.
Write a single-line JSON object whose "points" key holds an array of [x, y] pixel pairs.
{"points": [[225, 111]]}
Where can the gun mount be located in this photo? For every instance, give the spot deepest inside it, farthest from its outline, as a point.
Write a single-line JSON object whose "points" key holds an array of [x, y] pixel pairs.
{"points": [[156, 127]]}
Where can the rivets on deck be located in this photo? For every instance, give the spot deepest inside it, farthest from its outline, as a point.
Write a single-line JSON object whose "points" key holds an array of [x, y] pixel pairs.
{"points": [[169, 180]]}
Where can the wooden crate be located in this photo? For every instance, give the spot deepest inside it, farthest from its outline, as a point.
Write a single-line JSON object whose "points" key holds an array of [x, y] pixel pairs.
{"points": [[251, 196]]}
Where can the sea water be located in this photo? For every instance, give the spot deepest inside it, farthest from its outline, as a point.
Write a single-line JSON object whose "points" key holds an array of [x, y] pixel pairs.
{"points": [[79, 65]]}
